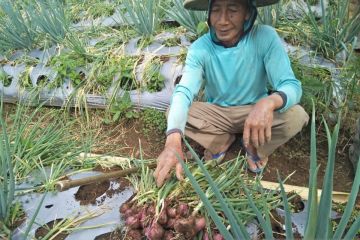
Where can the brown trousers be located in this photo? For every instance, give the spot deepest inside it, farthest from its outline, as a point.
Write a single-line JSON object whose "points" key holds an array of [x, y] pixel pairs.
{"points": [[212, 126]]}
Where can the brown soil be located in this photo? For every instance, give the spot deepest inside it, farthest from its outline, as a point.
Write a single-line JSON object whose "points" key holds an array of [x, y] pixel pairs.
{"points": [[116, 235], [296, 202], [294, 156], [18, 221], [46, 228], [87, 194]]}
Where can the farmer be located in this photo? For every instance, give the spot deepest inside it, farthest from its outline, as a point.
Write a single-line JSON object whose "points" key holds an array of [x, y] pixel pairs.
{"points": [[237, 62]]}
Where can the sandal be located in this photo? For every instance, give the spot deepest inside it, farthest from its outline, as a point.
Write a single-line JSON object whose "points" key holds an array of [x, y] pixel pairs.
{"points": [[254, 158], [218, 157]]}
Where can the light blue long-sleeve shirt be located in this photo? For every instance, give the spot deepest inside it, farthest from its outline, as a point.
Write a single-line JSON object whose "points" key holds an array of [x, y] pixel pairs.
{"points": [[234, 76]]}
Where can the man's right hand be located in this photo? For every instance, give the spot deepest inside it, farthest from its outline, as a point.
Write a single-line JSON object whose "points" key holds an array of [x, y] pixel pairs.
{"points": [[168, 159]]}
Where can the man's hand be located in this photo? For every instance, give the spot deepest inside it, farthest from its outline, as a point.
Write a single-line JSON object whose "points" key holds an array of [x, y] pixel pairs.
{"points": [[257, 128], [168, 159]]}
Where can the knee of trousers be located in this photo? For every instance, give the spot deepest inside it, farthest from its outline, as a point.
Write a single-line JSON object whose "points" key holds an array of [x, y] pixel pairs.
{"points": [[295, 118]]}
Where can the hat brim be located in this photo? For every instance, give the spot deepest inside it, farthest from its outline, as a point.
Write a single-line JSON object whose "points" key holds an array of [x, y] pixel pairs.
{"points": [[202, 5]]}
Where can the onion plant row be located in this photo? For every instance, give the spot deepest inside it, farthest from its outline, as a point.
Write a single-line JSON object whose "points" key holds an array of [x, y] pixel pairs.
{"points": [[337, 31]]}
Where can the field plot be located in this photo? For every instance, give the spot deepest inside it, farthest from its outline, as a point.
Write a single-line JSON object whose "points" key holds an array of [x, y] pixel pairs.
{"points": [[84, 88]]}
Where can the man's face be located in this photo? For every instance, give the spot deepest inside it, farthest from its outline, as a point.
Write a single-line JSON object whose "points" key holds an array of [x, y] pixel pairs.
{"points": [[228, 18]]}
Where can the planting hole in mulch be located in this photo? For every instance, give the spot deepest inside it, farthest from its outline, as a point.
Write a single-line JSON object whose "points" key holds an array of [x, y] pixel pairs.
{"points": [[296, 202], [42, 80], [87, 194], [46, 228], [115, 235], [19, 220], [278, 226]]}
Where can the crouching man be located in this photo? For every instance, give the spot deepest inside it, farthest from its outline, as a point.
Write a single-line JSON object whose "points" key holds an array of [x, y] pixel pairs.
{"points": [[236, 62]]}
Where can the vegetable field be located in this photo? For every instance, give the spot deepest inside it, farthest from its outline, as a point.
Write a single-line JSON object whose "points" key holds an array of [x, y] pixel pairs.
{"points": [[84, 88]]}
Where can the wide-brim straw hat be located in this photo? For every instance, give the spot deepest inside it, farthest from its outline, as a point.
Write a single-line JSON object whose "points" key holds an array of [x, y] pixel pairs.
{"points": [[202, 5]]}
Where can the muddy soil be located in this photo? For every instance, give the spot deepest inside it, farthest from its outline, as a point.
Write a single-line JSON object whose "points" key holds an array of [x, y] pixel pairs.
{"points": [[116, 235], [47, 228], [89, 194]]}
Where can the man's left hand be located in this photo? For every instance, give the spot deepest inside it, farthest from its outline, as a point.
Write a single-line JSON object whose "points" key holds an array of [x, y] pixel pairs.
{"points": [[257, 128]]}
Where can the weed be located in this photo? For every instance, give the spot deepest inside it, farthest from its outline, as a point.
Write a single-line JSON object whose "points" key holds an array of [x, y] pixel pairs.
{"points": [[99, 9], [144, 42], [4, 78], [172, 42], [152, 77], [127, 78], [17, 215], [66, 65], [25, 80], [153, 121], [316, 83], [121, 108]]}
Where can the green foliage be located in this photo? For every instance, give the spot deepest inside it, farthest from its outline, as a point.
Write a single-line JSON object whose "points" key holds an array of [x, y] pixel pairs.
{"points": [[318, 220], [51, 18], [122, 108], [350, 80], [202, 28], [144, 42], [90, 9], [16, 29], [66, 65], [144, 16], [153, 121], [7, 178], [172, 42], [152, 78], [37, 142], [316, 83], [127, 79], [188, 19], [104, 72], [100, 9], [335, 31], [270, 15], [24, 78], [4, 78]]}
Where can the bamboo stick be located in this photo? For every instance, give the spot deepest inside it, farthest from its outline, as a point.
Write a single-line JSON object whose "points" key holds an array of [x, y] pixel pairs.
{"points": [[338, 197], [67, 184]]}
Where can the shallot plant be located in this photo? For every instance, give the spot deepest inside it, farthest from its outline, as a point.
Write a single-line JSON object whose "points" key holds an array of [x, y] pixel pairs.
{"points": [[336, 30], [51, 18], [191, 20], [318, 224], [7, 178], [143, 16], [7, 183], [16, 29]]}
